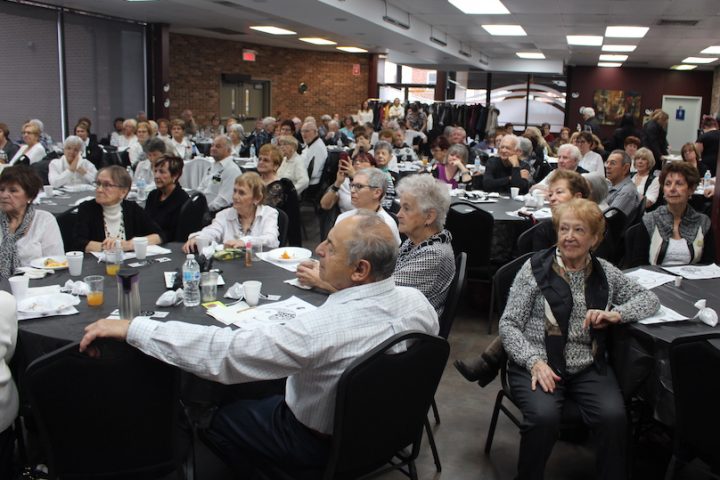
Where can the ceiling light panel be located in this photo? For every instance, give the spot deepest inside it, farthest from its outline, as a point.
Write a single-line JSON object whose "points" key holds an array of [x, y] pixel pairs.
{"points": [[619, 48], [273, 30], [714, 50], [587, 40], [531, 55], [699, 60], [480, 7], [352, 49], [683, 67], [613, 58], [609, 64], [505, 30], [626, 32], [317, 41]]}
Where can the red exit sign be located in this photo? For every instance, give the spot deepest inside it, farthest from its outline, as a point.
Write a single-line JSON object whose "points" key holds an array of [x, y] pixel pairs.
{"points": [[248, 55]]}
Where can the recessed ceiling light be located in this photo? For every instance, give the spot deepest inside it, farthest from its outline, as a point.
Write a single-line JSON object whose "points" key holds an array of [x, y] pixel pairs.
{"points": [[317, 41], [505, 30], [273, 30], [589, 40], [352, 49], [683, 67], [530, 55], [699, 60], [609, 64], [613, 58], [484, 7], [714, 50], [626, 32], [619, 48]]}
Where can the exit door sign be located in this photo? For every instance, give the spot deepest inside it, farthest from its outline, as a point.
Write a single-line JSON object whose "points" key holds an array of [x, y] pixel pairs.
{"points": [[356, 69]]}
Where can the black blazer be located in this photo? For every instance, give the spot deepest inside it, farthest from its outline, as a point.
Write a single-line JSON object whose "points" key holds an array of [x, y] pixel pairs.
{"points": [[91, 226]]}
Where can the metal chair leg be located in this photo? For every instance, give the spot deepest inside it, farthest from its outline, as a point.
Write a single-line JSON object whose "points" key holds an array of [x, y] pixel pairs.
{"points": [[433, 447], [493, 422], [435, 411]]}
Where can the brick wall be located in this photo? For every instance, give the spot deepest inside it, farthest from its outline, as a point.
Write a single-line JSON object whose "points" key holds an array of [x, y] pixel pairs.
{"points": [[196, 65]]}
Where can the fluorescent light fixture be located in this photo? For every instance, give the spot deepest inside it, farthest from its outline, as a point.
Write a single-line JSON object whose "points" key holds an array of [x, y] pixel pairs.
{"points": [[500, 92], [396, 22], [613, 58], [505, 30], [587, 40], [317, 41], [683, 67], [714, 50], [352, 49], [273, 30], [699, 60], [464, 53], [609, 64], [626, 32], [531, 55], [438, 41], [481, 7], [619, 48]]}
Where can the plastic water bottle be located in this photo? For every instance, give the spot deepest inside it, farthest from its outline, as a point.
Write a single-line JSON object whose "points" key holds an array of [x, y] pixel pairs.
{"points": [[141, 185], [477, 162], [252, 151], [130, 172], [707, 179], [191, 282]]}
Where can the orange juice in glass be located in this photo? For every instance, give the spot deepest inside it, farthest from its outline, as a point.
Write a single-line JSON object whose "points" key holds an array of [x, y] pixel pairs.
{"points": [[95, 299], [111, 268], [113, 259], [95, 296]]}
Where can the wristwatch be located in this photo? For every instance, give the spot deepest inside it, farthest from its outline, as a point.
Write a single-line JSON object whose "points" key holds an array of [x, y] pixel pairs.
{"points": [[334, 188]]}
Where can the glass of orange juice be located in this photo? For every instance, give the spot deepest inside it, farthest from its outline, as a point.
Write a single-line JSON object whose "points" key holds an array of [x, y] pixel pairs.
{"points": [[113, 259], [95, 296]]}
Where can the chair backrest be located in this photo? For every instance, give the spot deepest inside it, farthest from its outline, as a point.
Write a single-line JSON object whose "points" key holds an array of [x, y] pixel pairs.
{"points": [[697, 397], [503, 279], [472, 232], [67, 221], [611, 247], [636, 215], [282, 227], [382, 403], [194, 215], [632, 236], [525, 240], [454, 294], [113, 415]]}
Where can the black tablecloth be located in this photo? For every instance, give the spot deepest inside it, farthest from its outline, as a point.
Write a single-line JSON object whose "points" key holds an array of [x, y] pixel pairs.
{"points": [[62, 203]]}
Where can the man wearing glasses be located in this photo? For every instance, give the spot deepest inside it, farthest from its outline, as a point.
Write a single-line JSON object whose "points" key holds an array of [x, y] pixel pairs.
{"points": [[367, 190]]}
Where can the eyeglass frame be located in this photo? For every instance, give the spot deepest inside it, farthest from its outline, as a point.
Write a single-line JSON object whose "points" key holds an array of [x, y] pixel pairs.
{"points": [[106, 185], [360, 186]]}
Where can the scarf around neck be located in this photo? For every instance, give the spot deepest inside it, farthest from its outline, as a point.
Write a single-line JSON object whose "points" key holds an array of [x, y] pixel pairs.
{"points": [[9, 258]]}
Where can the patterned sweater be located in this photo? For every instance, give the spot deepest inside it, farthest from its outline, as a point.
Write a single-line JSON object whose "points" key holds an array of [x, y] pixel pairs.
{"points": [[522, 326]]}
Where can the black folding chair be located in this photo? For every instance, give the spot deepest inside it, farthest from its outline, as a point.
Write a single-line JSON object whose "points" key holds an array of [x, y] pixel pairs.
{"points": [[502, 281], [67, 222], [282, 227], [194, 215], [116, 416], [696, 401], [472, 232], [633, 236], [525, 240]]}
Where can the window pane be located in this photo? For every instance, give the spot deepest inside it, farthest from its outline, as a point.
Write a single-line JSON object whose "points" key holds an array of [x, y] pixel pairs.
{"points": [[418, 76], [508, 95], [388, 94], [547, 102], [30, 79], [422, 95], [390, 71]]}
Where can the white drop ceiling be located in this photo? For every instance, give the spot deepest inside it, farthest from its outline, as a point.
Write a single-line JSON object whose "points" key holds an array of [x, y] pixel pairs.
{"points": [[359, 23]]}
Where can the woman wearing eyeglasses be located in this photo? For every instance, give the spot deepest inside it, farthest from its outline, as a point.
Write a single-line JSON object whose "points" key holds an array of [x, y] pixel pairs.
{"points": [[32, 151], [111, 217], [590, 161]]}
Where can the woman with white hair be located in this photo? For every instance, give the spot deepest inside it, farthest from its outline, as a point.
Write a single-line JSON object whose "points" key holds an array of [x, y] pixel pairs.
{"points": [[647, 184], [128, 137], [236, 132], [71, 168], [292, 167]]}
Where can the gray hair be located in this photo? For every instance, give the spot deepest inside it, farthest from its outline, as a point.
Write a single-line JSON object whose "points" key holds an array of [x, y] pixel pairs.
{"points": [[373, 242], [381, 145], [525, 145], [589, 111], [460, 150], [376, 178], [626, 159], [38, 124], [268, 121], [333, 123], [429, 193], [573, 150], [155, 145], [288, 140], [515, 139], [598, 186], [237, 128], [647, 154], [448, 130], [74, 141], [226, 139], [325, 118], [312, 126]]}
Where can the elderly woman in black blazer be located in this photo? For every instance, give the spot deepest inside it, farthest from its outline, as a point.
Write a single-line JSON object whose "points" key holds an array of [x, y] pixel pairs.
{"points": [[110, 217]]}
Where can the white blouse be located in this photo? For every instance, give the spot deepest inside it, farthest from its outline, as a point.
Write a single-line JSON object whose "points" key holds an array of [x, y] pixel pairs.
{"points": [[365, 116], [653, 190], [226, 227], [293, 169], [136, 153], [34, 153], [60, 175], [126, 142], [182, 149], [42, 239], [9, 400], [677, 253], [592, 162]]}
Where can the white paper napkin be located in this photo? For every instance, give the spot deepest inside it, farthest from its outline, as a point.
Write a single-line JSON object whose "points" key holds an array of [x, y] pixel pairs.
{"points": [[295, 282], [170, 298]]}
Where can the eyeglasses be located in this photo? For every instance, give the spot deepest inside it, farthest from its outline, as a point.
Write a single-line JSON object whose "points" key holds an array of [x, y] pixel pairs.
{"points": [[360, 186], [105, 186]]}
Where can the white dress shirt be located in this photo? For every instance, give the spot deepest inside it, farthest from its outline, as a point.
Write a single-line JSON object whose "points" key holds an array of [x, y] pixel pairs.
{"points": [[294, 170], [382, 214], [217, 186], [60, 175], [182, 149], [34, 153], [226, 226], [9, 400], [317, 151], [313, 350], [126, 142], [42, 239], [593, 162]]}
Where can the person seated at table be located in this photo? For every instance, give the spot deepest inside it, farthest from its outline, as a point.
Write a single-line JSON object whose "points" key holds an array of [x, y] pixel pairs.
{"points": [[383, 156], [506, 170], [334, 136], [632, 145], [182, 146], [554, 330], [6, 144], [367, 310], [117, 131], [590, 161], [247, 220], [110, 217], [26, 233], [568, 156], [689, 154], [674, 233], [217, 184], [314, 152], [214, 127], [598, 189], [91, 149], [339, 192], [622, 193], [562, 139], [153, 149], [402, 151], [136, 151], [236, 132], [439, 150], [453, 170], [71, 168], [163, 130], [164, 203], [281, 192], [32, 151], [9, 400], [128, 137], [646, 183], [292, 166], [347, 129]]}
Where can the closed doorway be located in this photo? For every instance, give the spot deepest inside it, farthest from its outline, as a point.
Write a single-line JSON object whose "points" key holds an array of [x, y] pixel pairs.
{"points": [[245, 98], [685, 113]]}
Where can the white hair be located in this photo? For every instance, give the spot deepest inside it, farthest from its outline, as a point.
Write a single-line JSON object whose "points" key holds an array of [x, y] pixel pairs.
{"points": [[268, 121]]}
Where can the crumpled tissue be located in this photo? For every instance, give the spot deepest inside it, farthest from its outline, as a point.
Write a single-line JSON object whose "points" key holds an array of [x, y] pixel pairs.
{"points": [[170, 298], [235, 292], [76, 288], [705, 314]]}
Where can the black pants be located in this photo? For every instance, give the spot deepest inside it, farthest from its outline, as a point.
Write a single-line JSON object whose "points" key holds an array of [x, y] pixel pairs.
{"points": [[249, 432], [7, 448], [601, 406]]}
